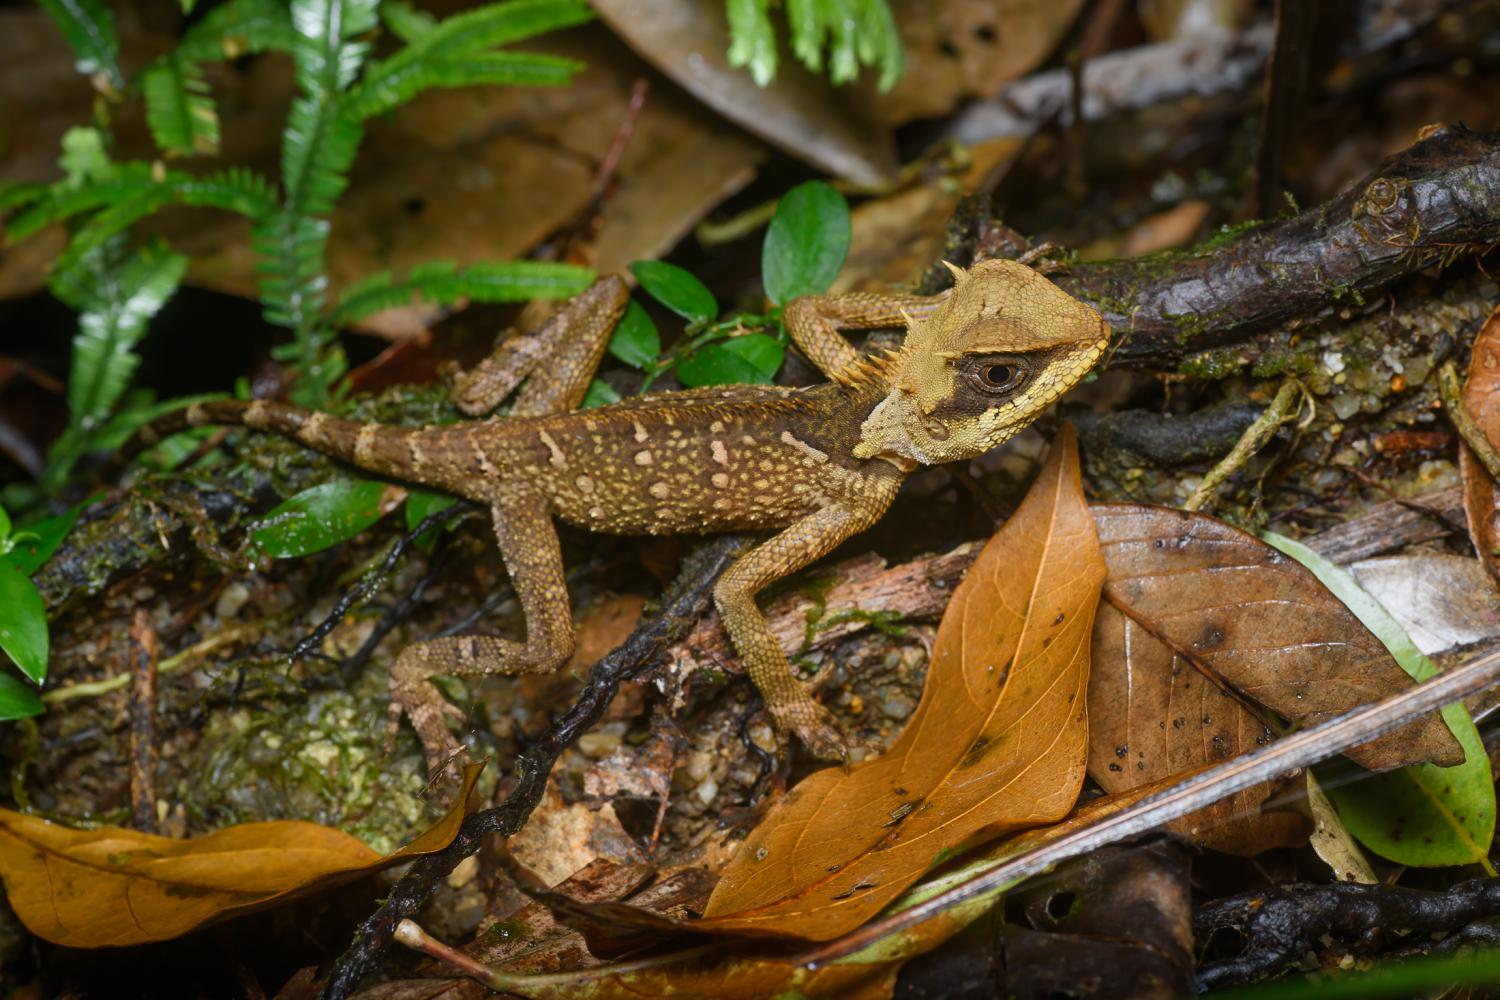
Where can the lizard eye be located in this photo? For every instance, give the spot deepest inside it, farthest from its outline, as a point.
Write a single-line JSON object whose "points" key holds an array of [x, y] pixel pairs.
{"points": [[997, 376]]}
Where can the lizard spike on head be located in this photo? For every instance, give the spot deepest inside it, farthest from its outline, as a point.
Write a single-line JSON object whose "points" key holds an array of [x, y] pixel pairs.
{"points": [[1005, 344], [959, 274]]}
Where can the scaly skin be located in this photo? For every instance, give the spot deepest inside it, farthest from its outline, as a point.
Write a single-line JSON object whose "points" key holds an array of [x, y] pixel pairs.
{"points": [[816, 465]]}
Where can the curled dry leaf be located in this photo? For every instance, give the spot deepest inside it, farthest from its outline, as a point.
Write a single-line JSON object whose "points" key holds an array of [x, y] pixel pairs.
{"points": [[111, 887], [1481, 396], [799, 112], [997, 743]]}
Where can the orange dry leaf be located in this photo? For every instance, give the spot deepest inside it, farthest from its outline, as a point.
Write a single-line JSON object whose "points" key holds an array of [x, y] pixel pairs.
{"points": [[110, 886], [998, 742], [1481, 397]]}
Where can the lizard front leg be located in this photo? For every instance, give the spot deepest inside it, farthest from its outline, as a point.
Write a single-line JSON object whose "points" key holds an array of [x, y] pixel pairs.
{"points": [[533, 558], [814, 322], [558, 359], [798, 545]]}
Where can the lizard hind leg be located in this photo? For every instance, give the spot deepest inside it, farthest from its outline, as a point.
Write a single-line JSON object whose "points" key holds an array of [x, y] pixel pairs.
{"points": [[557, 359], [533, 558]]}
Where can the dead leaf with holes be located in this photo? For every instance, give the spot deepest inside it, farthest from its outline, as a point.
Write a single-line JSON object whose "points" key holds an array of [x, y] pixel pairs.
{"points": [[997, 743], [112, 887], [1202, 624], [1481, 396]]}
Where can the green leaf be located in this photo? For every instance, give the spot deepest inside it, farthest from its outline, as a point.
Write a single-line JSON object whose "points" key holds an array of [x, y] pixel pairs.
{"points": [[1421, 815], [452, 53], [17, 700], [89, 27], [4, 525], [444, 282], [600, 393], [806, 243], [676, 289], [422, 504], [752, 44], [635, 340], [23, 621], [179, 108], [239, 28], [319, 518], [754, 359], [32, 554], [405, 21], [854, 31], [116, 302], [84, 158]]}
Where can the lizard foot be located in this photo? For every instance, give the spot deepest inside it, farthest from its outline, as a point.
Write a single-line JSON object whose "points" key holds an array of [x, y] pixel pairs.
{"points": [[814, 726], [422, 703]]}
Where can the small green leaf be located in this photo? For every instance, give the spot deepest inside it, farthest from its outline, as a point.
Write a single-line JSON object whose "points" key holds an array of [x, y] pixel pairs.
{"points": [[4, 525], [635, 340], [806, 243], [47, 534], [319, 518], [83, 159], [752, 359], [23, 621], [1421, 815], [676, 289], [17, 700], [89, 27], [600, 393], [422, 504], [751, 41]]}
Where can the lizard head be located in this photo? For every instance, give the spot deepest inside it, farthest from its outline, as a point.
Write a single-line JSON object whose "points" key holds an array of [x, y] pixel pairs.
{"points": [[1003, 347]]}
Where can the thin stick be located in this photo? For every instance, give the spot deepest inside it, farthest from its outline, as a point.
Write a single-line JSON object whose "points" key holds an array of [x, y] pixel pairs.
{"points": [[1250, 442], [1285, 755], [1463, 422]]}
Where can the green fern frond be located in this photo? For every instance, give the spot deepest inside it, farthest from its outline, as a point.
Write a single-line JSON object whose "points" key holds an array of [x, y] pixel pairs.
{"points": [[377, 95], [326, 56], [853, 33], [179, 108], [15, 196], [405, 21], [752, 43], [66, 200], [116, 299], [444, 282], [237, 190], [89, 27], [239, 28], [398, 78]]}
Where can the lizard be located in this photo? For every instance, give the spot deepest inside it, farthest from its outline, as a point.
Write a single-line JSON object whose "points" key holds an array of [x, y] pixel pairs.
{"points": [[814, 465]]}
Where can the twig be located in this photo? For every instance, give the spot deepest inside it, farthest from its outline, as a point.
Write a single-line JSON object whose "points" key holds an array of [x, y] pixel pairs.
{"points": [[687, 600], [142, 652], [1282, 923], [1203, 789], [409, 933], [1458, 414], [1255, 437]]}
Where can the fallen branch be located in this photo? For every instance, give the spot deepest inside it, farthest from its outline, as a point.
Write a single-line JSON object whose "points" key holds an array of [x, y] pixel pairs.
{"points": [[1282, 923]]}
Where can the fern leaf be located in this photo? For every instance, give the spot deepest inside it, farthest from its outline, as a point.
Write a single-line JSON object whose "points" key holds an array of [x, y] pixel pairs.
{"points": [[179, 108], [397, 79], [751, 41], [89, 28], [377, 95], [443, 282], [237, 190], [405, 21], [327, 60], [239, 28], [115, 301]]}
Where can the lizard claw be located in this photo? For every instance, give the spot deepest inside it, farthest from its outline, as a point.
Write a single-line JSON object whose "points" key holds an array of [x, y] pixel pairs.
{"points": [[814, 726]]}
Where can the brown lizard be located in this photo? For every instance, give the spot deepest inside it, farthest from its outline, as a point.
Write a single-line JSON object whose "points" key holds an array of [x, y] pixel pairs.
{"points": [[816, 465]]}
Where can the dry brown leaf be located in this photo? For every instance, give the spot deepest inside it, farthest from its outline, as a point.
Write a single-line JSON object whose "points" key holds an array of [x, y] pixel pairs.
{"points": [[1151, 715], [960, 49], [111, 887], [799, 111], [1442, 600], [1481, 396], [997, 743], [1259, 622]]}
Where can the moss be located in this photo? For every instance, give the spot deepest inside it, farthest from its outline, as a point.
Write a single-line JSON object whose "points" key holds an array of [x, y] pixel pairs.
{"points": [[1212, 365], [1286, 359], [1227, 234]]}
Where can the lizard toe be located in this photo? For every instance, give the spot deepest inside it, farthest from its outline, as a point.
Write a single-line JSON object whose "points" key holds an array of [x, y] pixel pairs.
{"points": [[814, 726]]}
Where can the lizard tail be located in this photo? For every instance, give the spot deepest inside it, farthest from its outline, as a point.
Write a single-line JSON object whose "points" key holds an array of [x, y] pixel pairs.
{"points": [[351, 442]]}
